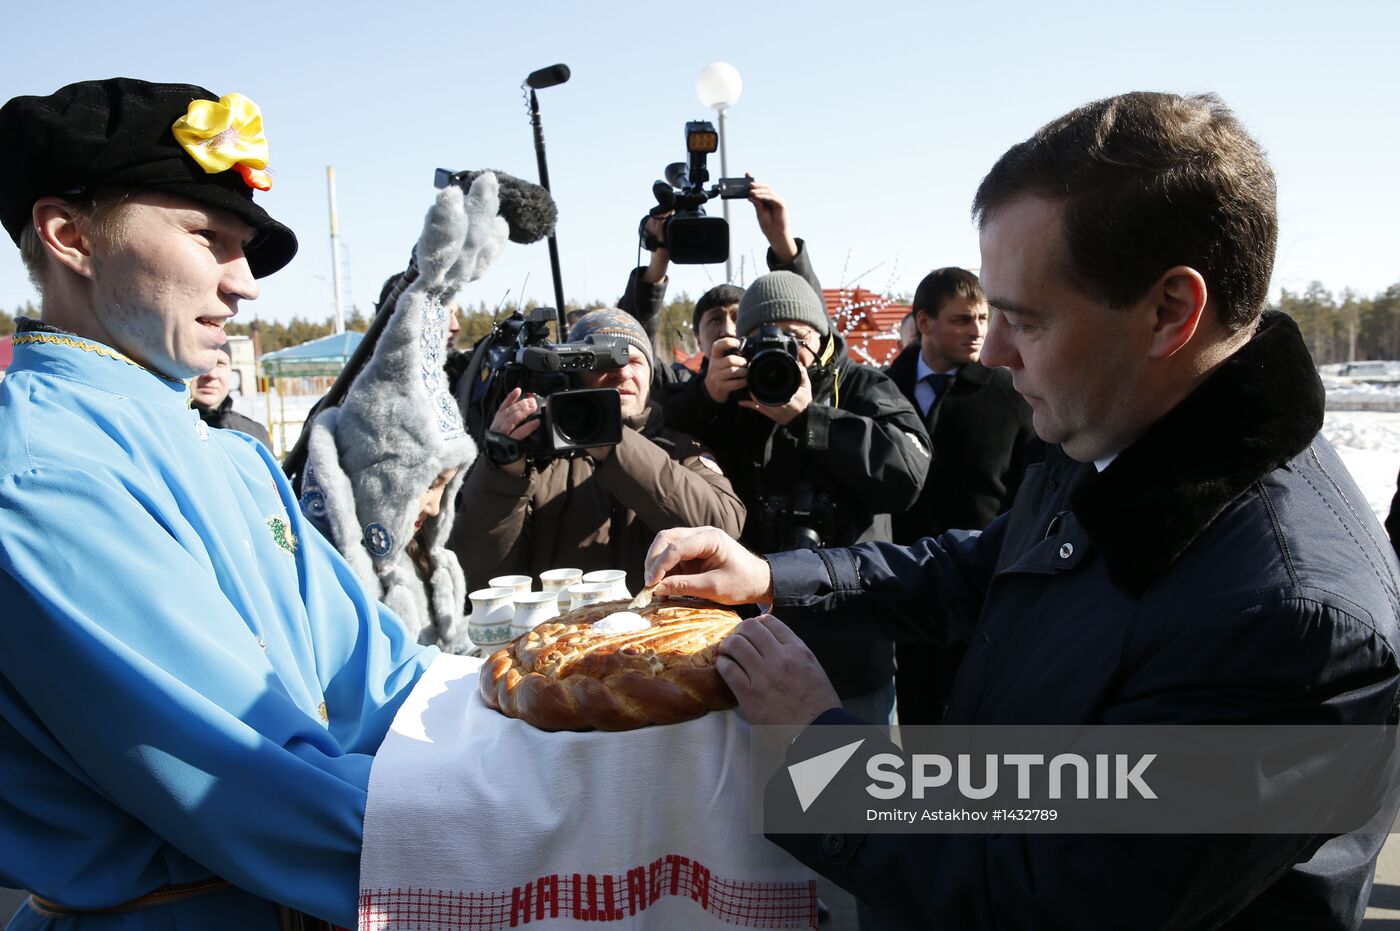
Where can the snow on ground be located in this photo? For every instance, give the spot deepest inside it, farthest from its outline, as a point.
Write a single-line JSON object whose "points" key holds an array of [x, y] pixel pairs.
{"points": [[1363, 423], [1369, 444]]}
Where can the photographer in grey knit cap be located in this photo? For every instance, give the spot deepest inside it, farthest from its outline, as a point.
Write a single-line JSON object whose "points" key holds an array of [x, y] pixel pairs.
{"points": [[600, 510], [827, 467], [381, 465]]}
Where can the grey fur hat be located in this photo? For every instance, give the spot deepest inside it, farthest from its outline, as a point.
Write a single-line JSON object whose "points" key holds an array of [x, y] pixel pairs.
{"points": [[779, 296], [371, 459]]}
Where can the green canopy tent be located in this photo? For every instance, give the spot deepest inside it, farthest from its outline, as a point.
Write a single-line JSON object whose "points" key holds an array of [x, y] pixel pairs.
{"points": [[325, 356], [318, 358]]}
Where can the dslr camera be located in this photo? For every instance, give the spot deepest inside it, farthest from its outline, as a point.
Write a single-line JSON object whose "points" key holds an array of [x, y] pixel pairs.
{"points": [[518, 354], [802, 519], [692, 238], [774, 372]]}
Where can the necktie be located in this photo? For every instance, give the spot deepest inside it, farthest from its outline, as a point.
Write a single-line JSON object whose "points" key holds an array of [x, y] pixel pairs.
{"points": [[939, 382]]}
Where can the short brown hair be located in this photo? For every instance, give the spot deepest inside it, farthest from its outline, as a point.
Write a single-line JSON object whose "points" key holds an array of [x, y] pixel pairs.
{"points": [[943, 283], [1149, 181], [99, 213]]}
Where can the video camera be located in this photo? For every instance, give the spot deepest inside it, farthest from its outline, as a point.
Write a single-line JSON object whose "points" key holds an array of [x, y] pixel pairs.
{"points": [[774, 373], [691, 237], [518, 354]]}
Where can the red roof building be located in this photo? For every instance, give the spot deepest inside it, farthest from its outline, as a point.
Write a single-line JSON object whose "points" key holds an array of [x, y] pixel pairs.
{"points": [[869, 321]]}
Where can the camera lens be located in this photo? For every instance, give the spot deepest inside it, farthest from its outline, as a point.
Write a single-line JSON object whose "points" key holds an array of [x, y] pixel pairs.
{"points": [[577, 420], [773, 377]]}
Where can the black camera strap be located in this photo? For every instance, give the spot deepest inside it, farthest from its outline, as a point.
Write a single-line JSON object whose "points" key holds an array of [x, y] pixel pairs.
{"points": [[501, 449]]}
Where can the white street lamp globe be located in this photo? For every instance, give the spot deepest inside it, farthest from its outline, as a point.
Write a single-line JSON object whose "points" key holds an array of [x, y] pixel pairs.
{"points": [[719, 85]]}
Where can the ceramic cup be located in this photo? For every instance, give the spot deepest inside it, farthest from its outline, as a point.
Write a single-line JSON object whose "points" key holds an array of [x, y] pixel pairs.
{"points": [[587, 593], [520, 584], [531, 610], [558, 581], [616, 578], [489, 623]]}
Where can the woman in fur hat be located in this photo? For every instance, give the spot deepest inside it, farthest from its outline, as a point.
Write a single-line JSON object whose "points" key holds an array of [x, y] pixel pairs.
{"points": [[381, 464]]}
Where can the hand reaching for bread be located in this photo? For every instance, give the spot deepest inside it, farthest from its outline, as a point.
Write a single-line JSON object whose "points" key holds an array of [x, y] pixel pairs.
{"points": [[705, 562], [775, 677]]}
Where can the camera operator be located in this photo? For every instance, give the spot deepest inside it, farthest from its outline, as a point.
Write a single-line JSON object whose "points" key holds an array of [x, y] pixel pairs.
{"points": [[594, 511], [826, 467], [715, 310]]}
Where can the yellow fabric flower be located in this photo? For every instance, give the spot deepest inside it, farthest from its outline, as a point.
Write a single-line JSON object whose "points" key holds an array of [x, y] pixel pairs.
{"points": [[225, 134]]}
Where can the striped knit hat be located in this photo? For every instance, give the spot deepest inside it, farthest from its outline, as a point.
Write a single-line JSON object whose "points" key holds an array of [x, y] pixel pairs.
{"points": [[610, 321]]}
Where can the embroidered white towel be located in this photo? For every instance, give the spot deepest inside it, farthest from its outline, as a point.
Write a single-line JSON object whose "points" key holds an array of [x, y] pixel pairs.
{"points": [[476, 820]]}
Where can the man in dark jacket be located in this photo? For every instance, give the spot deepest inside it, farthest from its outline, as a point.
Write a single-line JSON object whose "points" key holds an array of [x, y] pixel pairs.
{"points": [[1190, 552], [210, 395], [979, 429], [827, 468]]}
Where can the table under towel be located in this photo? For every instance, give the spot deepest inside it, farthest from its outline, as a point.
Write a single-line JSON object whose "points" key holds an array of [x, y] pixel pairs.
{"points": [[478, 821]]}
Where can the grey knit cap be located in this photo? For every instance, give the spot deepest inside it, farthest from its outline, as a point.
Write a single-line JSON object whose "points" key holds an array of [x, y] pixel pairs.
{"points": [[779, 296], [610, 321]]}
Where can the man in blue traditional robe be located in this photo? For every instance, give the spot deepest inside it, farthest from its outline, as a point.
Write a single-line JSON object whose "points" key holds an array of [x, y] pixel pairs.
{"points": [[193, 683]]}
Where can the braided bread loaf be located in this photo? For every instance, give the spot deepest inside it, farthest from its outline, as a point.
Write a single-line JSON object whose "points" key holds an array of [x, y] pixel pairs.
{"points": [[564, 676]]}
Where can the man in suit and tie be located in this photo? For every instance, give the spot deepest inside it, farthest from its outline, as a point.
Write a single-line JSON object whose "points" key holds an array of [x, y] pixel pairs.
{"points": [[980, 430]]}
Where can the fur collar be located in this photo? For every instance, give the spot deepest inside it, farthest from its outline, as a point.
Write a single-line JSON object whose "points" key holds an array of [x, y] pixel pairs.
{"points": [[1259, 409]]}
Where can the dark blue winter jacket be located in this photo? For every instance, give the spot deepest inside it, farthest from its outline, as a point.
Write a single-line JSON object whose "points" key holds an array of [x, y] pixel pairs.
{"points": [[1223, 569]]}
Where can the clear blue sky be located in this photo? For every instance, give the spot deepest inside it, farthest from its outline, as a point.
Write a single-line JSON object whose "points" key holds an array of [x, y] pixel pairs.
{"points": [[875, 120]]}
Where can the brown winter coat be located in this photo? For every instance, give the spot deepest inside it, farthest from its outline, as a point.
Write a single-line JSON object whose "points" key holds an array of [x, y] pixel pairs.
{"points": [[590, 515]]}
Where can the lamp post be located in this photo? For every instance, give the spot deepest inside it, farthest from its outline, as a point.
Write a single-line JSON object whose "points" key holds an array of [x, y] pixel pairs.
{"points": [[719, 87]]}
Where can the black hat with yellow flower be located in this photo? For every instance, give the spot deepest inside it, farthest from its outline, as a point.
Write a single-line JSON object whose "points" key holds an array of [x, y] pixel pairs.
{"points": [[176, 138]]}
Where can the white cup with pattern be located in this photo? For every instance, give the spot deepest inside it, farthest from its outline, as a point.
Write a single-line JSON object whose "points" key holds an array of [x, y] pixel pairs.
{"points": [[558, 581], [616, 578], [520, 584], [533, 609], [489, 623], [588, 593]]}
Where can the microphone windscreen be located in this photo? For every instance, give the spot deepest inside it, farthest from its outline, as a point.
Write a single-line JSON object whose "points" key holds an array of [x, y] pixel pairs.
{"points": [[527, 208], [548, 77]]}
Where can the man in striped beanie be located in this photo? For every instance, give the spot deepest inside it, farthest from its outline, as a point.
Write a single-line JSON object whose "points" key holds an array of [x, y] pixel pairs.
{"points": [[600, 509]]}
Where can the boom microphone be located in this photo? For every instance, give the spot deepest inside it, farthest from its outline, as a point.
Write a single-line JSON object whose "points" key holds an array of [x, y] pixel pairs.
{"points": [[538, 80], [527, 208], [548, 77]]}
